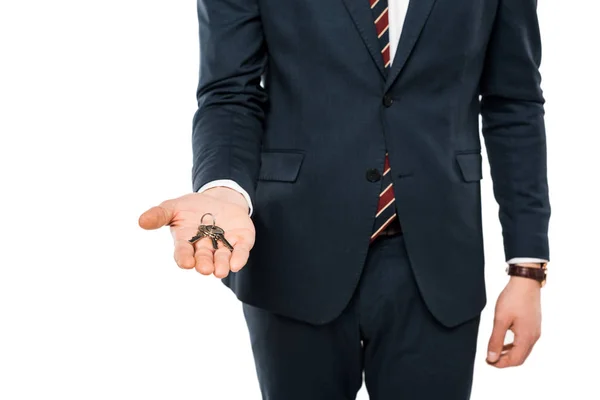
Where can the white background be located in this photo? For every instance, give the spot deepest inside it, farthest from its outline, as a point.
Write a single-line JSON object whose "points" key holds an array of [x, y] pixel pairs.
{"points": [[96, 104]]}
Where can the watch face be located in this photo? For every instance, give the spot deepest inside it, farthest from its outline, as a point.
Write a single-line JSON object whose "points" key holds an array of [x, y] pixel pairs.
{"points": [[544, 267]]}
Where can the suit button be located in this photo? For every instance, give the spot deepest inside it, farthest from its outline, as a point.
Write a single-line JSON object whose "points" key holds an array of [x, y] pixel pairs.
{"points": [[373, 175], [387, 100]]}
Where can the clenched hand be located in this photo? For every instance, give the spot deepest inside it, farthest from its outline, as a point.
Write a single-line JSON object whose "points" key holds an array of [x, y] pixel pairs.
{"points": [[518, 309], [183, 214]]}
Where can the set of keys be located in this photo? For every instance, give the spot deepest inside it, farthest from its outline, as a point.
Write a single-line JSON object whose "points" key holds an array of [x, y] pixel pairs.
{"points": [[215, 233]]}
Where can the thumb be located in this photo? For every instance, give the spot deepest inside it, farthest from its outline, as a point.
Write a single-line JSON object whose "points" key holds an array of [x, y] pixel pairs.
{"points": [[496, 343], [157, 216]]}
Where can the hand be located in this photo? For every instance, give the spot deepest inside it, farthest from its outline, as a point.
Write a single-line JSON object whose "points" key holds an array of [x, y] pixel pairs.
{"points": [[183, 214], [518, 308]]}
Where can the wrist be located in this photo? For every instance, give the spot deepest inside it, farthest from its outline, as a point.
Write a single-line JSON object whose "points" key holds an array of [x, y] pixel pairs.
{"points": [[228, 195], [524, 282]]}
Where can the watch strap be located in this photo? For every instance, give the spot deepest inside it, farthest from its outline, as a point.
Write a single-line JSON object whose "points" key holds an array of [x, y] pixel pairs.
{"points": [[538, 274]]}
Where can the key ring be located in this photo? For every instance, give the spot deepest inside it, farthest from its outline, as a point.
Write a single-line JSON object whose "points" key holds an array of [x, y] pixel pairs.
{"points": [[215, 233], [213, 218]]}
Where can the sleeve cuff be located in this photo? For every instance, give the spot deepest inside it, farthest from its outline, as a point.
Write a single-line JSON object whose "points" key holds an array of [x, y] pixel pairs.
{"points": [[525, 260], [231, 185]]}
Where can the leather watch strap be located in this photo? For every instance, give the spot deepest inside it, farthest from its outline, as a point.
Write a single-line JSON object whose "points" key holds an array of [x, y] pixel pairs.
{"points": [[538, 274]]}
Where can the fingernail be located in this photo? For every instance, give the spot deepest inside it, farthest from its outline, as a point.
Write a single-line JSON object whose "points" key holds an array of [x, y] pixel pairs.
{"points": [[492, 356]]}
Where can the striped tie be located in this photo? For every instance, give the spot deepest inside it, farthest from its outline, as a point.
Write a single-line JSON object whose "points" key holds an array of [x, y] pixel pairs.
{"points": [[386, 211]]}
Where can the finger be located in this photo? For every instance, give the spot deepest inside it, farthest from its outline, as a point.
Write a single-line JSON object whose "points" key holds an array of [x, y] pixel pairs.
{"points": [[506, 348], [518, 351], [157, 216], [184, 250], [534, 339], [514, 357], [496, 342], [525, 339], [221, 260], [239, 255], [184, 254], [204, 257], [502, 360]]}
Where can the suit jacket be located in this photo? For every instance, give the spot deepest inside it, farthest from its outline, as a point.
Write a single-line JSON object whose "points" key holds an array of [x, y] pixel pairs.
{"points": [[295, 106]]}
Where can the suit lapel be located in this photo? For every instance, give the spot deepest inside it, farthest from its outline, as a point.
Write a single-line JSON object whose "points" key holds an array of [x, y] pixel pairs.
{"points": [[360, 11], [416, 16]]}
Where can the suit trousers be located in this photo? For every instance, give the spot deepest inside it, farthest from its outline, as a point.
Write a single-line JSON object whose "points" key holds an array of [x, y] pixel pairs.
{"points": [[385, 332]]}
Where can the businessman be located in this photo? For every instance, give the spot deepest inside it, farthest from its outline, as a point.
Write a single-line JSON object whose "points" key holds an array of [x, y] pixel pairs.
{"points": [[337, 145]]}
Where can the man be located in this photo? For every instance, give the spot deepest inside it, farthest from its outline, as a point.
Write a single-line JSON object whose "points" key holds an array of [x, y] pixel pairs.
{"points": [[337, 145]]}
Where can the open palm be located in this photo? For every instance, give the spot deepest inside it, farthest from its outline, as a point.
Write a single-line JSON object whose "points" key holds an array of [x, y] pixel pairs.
{"points": [[183, 215]]}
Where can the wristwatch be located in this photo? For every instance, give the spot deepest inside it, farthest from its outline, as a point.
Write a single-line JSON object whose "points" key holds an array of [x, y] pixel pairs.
{"points": [[538, 274]]}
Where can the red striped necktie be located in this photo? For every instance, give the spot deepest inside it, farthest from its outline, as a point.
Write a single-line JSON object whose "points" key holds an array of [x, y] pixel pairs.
{"points": [[386, 210]]}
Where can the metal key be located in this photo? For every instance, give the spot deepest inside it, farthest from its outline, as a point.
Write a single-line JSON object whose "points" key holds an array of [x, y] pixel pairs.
{"points": [[216, 234], [211, 230], [198, 236], [225, 242], [205, 231]]}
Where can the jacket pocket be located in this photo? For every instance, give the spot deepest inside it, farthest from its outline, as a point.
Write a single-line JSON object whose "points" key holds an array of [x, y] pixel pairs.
{"points": [[470, 165], [280, 165]]}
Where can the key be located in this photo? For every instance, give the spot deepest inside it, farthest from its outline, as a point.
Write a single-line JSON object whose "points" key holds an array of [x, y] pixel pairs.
{"points": [[197, 237], [216, 234], [219, 237], [205, 231], [212, 230], [225, 242]]}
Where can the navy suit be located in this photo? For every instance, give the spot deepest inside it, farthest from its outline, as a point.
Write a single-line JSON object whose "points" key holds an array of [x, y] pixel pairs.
{"points": [[295, 107]]}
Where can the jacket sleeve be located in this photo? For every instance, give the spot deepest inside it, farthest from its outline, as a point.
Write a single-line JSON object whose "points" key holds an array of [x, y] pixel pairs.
{"points": [[228, 125], [512, 109]]}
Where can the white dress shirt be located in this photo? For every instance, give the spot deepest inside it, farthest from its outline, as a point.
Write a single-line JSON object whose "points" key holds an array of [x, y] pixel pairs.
{"points": [[396, 14]]}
